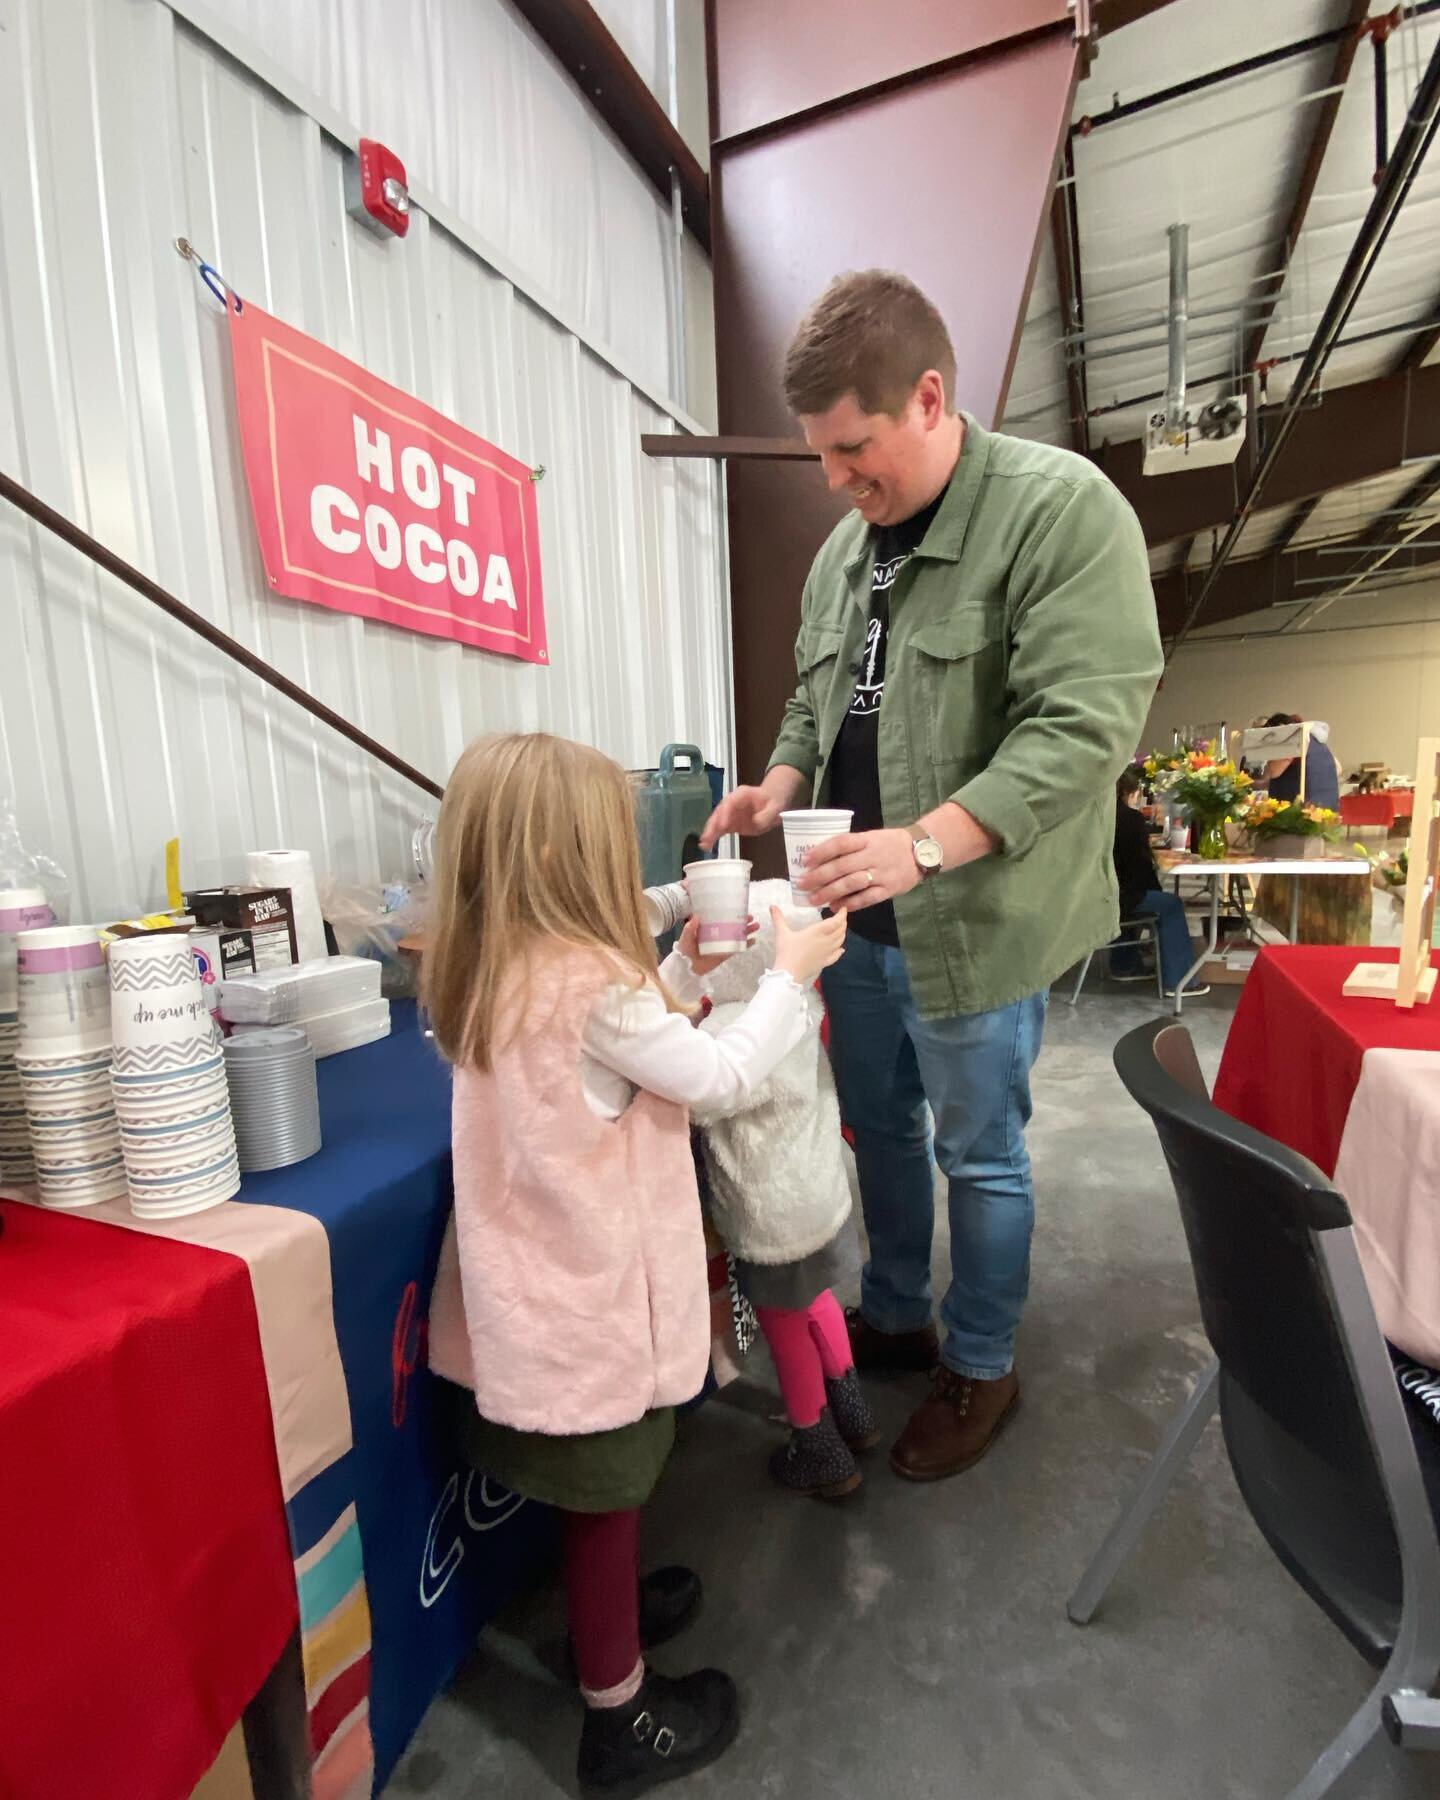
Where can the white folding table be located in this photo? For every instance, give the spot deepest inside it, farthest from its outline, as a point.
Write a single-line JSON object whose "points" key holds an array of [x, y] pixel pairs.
{"points": [[1217, 871]]}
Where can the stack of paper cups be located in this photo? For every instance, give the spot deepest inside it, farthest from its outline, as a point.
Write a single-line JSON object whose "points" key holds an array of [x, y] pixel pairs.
{"points": [[292, 869], [169, 1081], [666, 907], [63, 1061], [806, 828], [21, 909], [720, 897], [71, 1118]]}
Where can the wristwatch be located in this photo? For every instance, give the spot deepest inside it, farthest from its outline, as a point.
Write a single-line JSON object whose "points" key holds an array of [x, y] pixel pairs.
{"points": [[929, 856]]}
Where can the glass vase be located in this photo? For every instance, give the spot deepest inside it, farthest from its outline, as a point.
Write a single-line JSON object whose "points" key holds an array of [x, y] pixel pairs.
{"points": [[1212, 845]]}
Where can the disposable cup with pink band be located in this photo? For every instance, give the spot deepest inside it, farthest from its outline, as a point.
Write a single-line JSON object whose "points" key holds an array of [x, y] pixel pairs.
{"points": [[63, 991], [21, 909], [720, 895]]}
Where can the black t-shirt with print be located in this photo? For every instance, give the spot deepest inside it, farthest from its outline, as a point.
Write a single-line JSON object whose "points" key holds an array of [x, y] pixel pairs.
{"points": [[855, 758]]}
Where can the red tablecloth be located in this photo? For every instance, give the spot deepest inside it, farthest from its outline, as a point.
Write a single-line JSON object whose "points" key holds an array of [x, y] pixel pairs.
{"points": [[1292, 1058], [140, 1505], [1377, 809]]}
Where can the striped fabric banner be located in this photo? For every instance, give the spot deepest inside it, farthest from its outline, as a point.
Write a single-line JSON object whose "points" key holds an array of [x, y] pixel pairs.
{"points": [[335, 1632]]}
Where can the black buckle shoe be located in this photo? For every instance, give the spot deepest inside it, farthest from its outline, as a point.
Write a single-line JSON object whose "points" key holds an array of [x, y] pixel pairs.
{"points": [[673, 1726]]}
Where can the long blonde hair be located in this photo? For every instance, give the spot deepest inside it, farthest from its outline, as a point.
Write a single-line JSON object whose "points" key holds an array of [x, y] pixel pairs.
{"points": [[535, 846]]}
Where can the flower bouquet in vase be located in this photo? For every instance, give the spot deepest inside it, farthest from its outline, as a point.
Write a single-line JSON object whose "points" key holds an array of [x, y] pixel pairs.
{"points": [[1288, 830], [1212, 790]]}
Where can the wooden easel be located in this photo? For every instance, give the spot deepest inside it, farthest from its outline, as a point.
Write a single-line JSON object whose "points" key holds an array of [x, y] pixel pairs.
{"points": [[1417, 978], [1412, 979]]}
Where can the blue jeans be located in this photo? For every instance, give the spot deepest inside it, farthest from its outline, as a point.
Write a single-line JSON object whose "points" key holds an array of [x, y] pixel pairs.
{"points": [[1177, 953], [974, 1072]]}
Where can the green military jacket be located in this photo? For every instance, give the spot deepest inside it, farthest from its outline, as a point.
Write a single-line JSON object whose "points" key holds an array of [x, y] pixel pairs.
{"points": [[1022, 657]]}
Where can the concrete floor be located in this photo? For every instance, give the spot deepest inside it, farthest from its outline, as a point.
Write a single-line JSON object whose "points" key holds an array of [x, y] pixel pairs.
{"points": [[913, 1641]]}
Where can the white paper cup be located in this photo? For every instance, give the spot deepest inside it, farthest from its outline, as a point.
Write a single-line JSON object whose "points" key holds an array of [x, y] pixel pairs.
{"points": [[666, 907], [23, 909], [804, 829], [720, 899], [158, 1012], [61, 989]]}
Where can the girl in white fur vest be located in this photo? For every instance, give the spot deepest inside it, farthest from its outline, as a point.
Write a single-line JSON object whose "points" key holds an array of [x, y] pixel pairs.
{"points": [[780, 1199]]}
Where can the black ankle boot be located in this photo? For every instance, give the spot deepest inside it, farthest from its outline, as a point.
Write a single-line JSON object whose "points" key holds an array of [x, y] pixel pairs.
{"points": [[816, 1460], [852, 1412], [671, 1727], [670, 1601]]}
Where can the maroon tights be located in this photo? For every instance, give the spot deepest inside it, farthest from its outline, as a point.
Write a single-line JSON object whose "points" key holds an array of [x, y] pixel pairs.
{"points": [[602, 1593]]}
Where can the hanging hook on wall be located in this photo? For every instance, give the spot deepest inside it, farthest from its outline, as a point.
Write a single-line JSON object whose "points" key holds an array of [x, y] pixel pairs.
{"points": [[210, 275]]}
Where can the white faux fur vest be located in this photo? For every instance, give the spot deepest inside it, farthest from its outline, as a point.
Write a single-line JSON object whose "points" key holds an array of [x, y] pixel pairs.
{"points": [[778, 1185]]}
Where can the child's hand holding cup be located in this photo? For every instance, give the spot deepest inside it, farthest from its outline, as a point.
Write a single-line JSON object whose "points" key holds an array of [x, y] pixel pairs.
{"points": [[803, 951], [701, 961]]}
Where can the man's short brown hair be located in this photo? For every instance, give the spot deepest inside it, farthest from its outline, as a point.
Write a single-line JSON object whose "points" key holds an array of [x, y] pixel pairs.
{"points": [[873, 335]]}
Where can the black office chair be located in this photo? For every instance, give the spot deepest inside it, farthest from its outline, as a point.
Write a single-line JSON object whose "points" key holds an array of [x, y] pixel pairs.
{"points": [[1316, 1429]]}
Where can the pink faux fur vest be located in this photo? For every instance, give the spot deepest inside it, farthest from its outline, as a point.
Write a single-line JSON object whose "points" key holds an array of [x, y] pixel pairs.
{"points": [[572, 1288]]}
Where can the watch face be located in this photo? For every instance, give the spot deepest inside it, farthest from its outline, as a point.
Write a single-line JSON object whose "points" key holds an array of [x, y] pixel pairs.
{"points": [[928, 853]]}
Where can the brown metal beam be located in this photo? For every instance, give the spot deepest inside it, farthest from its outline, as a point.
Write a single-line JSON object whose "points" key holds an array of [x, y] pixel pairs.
{"points": [[1296, 523], [1065, 242], [1325, 115], [1276, 579], [729, 449], [1353, 434], [579, 37]]}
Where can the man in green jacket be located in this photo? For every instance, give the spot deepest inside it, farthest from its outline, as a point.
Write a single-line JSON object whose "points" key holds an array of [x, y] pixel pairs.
{"points": [[977, 652]]}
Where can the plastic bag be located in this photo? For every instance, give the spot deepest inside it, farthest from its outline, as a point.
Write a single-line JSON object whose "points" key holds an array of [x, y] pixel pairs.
{"points": [[372, 921], [22, 868]]}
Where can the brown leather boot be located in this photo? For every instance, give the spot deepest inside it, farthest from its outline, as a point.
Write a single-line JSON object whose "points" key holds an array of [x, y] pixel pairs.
{"points": [[953, 1428], [886, 1352]]}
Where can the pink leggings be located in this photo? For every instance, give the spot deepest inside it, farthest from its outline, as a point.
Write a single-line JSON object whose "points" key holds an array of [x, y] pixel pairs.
{"points": [[810, 1346]]}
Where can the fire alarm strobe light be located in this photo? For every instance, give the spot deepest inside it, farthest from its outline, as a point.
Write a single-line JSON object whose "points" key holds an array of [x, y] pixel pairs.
{"points": [[375, 190]]}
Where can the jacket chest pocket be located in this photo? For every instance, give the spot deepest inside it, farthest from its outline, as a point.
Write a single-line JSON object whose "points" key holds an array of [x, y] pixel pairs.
{"points": [[819, 668], [960, 671]]}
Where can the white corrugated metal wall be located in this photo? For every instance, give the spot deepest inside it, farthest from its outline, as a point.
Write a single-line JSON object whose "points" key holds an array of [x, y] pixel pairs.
{"points": [[122, 127]]}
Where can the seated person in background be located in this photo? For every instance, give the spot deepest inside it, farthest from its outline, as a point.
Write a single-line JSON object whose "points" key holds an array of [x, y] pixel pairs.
{"points": [[1140, 892], [1322, 772]]}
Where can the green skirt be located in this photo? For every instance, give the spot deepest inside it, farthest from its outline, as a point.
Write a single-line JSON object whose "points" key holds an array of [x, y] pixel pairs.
{"points": [[595, 1471]]}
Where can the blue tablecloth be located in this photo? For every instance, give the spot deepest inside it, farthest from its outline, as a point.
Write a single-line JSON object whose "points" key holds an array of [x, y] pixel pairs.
{"points": [[441, 1548]]}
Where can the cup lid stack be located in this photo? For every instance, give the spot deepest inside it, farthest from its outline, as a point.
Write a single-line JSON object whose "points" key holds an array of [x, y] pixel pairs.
{"points": [[273, 1096], [171, 1097]]}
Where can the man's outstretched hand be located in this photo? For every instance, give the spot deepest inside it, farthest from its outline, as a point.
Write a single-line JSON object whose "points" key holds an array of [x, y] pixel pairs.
{"points": [[747, 812]]}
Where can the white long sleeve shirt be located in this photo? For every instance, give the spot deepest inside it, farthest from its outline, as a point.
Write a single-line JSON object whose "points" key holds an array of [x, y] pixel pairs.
{"points": [[631, 1041]]}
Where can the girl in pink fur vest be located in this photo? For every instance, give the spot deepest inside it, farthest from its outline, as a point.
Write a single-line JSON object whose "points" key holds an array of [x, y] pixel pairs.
{"points": [[572, 1297]]}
